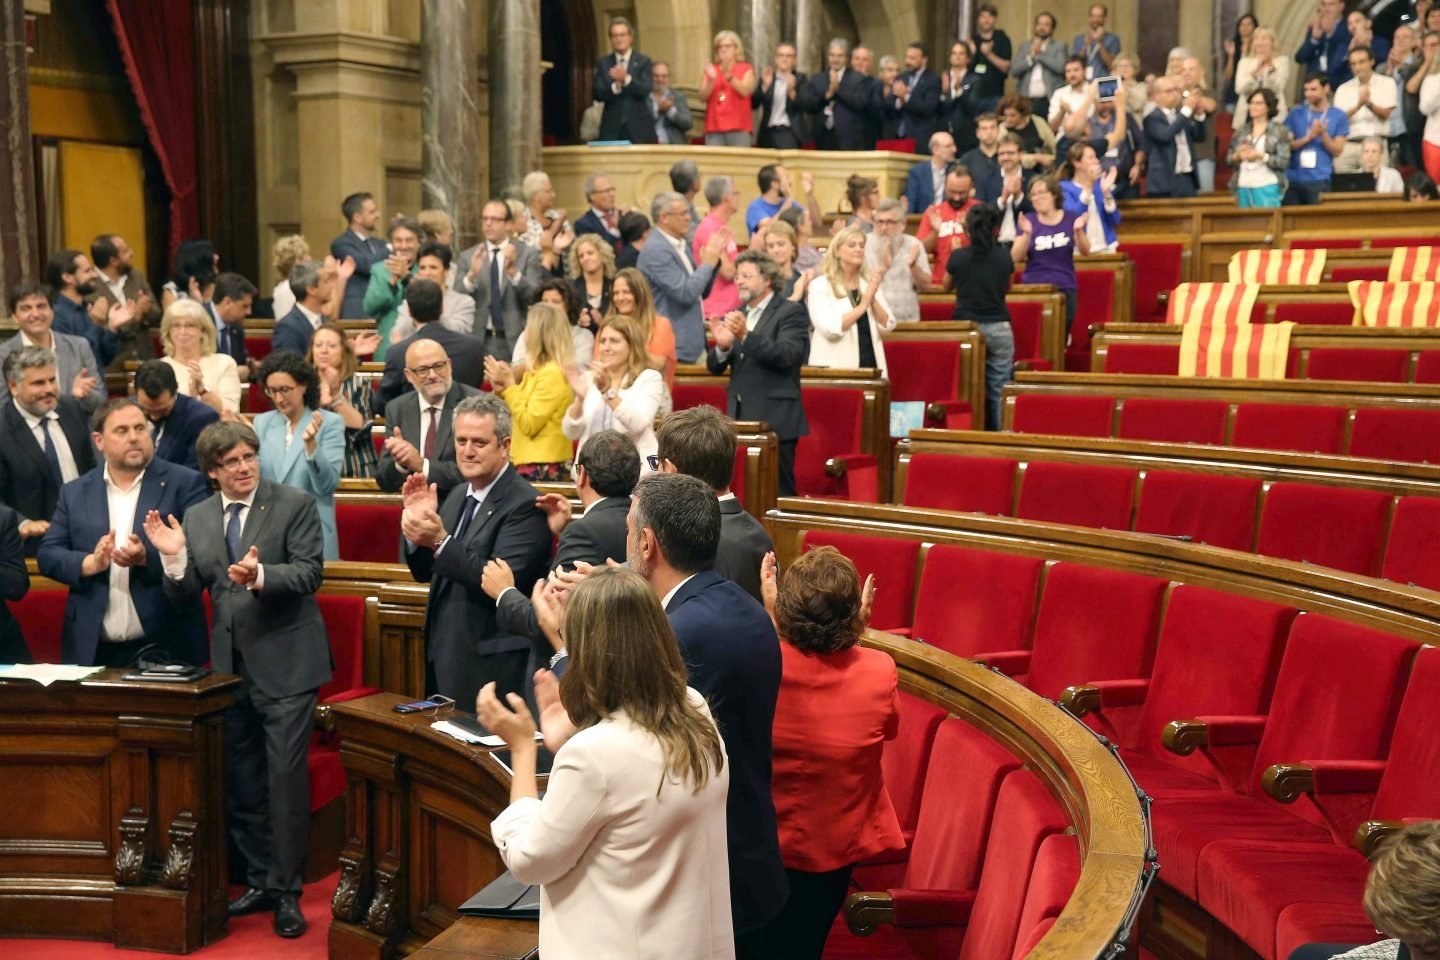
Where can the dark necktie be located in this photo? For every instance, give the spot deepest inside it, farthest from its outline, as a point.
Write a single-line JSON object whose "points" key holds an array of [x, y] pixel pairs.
{"points": [[224, 338], [432, 431], [232, 531], [471, 505], [497, 318], [52, 455]]}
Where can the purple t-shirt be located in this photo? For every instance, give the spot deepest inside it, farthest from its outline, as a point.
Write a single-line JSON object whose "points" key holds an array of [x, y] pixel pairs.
{"points": [[1052, 252]]}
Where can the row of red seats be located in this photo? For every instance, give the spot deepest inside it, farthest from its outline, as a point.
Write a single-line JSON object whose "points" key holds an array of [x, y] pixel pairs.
{"points": [[1274, 686], [1381, 433], [1359, 531], [1372, 364]]}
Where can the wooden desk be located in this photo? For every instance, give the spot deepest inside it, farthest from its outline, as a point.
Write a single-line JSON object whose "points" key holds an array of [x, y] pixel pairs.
{"points": [[482, 937], [417, 828], [114, 819]]}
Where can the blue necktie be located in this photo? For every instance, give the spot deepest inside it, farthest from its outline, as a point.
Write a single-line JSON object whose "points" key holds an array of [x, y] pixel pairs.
{"points": [[471, 505], [224, 338], [232, 531], [497, 318], [51, 454]]}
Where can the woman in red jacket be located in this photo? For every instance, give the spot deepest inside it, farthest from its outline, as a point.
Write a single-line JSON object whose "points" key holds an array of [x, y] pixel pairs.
{"points": [[837, 707]]}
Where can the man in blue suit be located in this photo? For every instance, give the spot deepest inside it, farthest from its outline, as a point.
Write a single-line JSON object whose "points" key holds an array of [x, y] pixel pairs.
{"points": [[175, 419], [915, 97], [96, 545], [840, 99], [679, 284], [310, 282], [926, 181], [362, 216]]}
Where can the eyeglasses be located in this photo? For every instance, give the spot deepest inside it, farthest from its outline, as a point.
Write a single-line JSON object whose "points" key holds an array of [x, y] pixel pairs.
{"points": [[429, 369], [280, 391], [604, 190], [654, 461], [235, 463], [442, 704]]}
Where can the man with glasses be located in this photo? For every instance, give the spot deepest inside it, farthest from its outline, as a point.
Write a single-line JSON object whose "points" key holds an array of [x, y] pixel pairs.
{"points": [[901, 257], [425, 305], [677, 281], [504, 277], [622, 83], [257, 547], [420, 421], [603, 217], [1005, 186]]}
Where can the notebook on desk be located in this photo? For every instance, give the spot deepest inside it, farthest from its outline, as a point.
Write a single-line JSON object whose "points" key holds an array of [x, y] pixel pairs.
{"points": [[505, 898], [1352, 183]]}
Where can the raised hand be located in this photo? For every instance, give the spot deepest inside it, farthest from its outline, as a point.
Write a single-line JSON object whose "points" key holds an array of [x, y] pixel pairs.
{"points": [[33, 528], [548, 599], [98, 560], [478, 258], [1108, 181], [83, 384], [769, 582], [417, 494], [807, 182], [345, 269], [366, 343], [558, 510], [119, 315], [767, 77], [129, 552], [165, 535], [514, 725], [245, 570], [720, 331], [312, 431], [555, 723], [599, 375], [564, 581], [867, 599], [578, 379], [715, 246], [510, 254], [404, 453], [933, 215], [423, 527], [197, 379], [499, 373], [496, 578]]}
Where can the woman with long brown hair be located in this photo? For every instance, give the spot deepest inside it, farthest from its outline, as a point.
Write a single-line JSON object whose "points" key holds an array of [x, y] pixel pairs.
{"points": [[629, 844], [630, 296], [621, 390]]}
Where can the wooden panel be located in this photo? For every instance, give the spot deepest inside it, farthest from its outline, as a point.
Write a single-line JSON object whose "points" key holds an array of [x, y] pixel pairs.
{"points": [[102, 190]]}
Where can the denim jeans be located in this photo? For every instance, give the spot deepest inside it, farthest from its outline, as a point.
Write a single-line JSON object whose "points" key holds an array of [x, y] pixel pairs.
{"points": [[1305, 192], [1205, 175], [999, 367]]}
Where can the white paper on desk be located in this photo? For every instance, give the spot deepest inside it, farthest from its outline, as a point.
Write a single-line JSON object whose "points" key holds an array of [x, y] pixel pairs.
{"points": [[47, 673], [458, 733]]}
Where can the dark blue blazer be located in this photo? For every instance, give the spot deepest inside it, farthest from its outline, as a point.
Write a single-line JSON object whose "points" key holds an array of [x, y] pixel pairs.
{"points": [[733, 659], [589, 223], [367, 253], [1160, 176], [14, 584], [182, 428], [919, 187], [81, 518], [234, 333], [852, 105], [919, 115], [292, 332]]}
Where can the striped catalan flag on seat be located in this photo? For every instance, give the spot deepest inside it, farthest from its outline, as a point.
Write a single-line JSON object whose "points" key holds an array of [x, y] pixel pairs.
{"points": [[1251, 351], [1231, 302], [1285, 267], [1404, 304], [1414, 263]]}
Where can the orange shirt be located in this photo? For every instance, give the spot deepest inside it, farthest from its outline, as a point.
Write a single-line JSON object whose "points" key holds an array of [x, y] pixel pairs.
{"points": [[662, 344]]}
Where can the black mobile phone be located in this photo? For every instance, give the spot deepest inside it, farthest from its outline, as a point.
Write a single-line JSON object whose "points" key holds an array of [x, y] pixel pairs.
{"points": [[418, 705], [1105, 87]]}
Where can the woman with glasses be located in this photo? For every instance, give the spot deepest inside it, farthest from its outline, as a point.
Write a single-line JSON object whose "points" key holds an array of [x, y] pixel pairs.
{"points": [[388, 280], [538, 396], [187, 335], [726, 87], [1048, 240], [620, 391], [343, 392], [301, 445], [901, 259]]}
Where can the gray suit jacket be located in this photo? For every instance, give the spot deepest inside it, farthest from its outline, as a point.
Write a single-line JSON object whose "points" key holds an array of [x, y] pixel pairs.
{"points": [[404, 413], [677, 120], [516, 294], [743, 544], [278, 630], [1051, 60], [74, 354], [679, 294]]}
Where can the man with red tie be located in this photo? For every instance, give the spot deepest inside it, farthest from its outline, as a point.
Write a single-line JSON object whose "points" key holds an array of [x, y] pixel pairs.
{"points": [[603, 217]]}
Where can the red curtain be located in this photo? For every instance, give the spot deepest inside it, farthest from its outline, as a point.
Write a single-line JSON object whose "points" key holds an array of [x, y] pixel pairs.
{"points": [[157, 42]]}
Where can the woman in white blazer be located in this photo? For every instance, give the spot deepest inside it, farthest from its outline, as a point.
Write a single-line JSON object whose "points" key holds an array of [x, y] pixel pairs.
{"points": [[629, 844], [618, 392], [187, 334], [301, 445], [847, 310]]}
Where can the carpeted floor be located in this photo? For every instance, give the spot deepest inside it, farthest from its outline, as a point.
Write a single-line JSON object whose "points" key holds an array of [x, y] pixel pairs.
{"points": [[249, 937]]}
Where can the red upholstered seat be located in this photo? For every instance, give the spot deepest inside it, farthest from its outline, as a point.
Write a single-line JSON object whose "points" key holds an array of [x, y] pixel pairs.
{"points": [[1162, 359], [928, 371], [1094, 304], [1346, 274], [1052, 881], [891, 561], [1208, 508], [1085, 495], [687, 395], [1302, 923], [935, 310], [1390, 243], [257, 347], [1173, 421], [1327, 243], [369, 532], [255, 399], [1026, 320], [344, 618], [1383, 433], [1067, 416], [1030, 940], [1410, 554], [1334, 314], [1427, 366], [976, 601], [1346, 363], [1283, 426], [1328, 526], [971, 484], [836, 416], [41, 615], [1159, 268], [905, 758]]}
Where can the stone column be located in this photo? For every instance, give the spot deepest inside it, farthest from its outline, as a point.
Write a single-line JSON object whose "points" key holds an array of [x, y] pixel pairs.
{"points": [[809, 36], [515, 121], [19, 234], [450, 117], [760, 25]]}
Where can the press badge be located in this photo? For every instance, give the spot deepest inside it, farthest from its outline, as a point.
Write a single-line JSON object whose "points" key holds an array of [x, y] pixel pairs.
{"points": [[1309, 159]]}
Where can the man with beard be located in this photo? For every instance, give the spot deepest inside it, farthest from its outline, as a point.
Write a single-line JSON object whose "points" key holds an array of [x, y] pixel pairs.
{"points": [[120, 283], [71, 275], [942, 229], [76, 368], [1039, 66]]}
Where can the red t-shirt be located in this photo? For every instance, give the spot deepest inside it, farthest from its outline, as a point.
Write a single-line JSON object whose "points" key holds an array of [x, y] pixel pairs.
{"points": [[951, 236], [726, 110]]}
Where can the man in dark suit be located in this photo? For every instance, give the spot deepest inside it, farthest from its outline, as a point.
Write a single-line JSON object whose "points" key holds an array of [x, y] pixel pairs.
{"points": [[421, 438], [359, 243], [466, 353], [764, 345], [605, 472], [504, 277], [47, 441], [622, 83], [603, 218], [782, 125], [119, 283], [14, 584], [915, 97], [80, 375], [839, 99], [1171, 132], [257, 547], [175, 419], [311, 283], [96, 546], [492, 514], [926, 180], [229, 307]]}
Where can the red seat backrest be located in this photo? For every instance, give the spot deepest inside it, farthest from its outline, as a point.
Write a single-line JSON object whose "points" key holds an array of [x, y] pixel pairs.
{"points": [[928, 371], [1161, 359], [976, 601], [1412, 436], [1410, 786], [1082, 494], [1173, 421], [836, 416], [1321, 243], [1427, 367], [369, 532], [1067, 416], [41, 615], [971, 484], [1159, 268], [1052, 882], [1390, 243], [904, 759], [1327, 526], [258, 348], [1284, 426], [687, 395], [1029, 941], [1211, 509], [1079, 640], [1410, 554], [345, 624], [1026, 320], [891, 561], [255, 399], [1344, 363], [1346, 274], [1324, 313], [936, 310]]}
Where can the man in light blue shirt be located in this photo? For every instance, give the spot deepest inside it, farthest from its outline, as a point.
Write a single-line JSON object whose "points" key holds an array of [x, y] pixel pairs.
{"points": [[1318, 132]]}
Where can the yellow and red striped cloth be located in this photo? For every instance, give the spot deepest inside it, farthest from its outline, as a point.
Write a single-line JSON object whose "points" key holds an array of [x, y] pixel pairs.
{"points": [[1287, 267], [1231, 302], [1414, 263], [1217, 348], [1401, 304]]}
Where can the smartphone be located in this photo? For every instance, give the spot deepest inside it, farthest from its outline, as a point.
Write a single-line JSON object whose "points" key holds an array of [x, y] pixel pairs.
{"points": [[1106, 86], [419, 705]]}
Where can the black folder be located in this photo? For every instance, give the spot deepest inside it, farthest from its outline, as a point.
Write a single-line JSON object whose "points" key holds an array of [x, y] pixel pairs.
{"points": [[506, 898]]}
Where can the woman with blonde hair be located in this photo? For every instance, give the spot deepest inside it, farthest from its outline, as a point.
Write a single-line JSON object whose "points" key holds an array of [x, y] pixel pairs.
{"points": [[781, 243], [726, 88], [537, 398], [1262, 69], [620, 390], [630, 296], [333, 356], [847, 310], [591, 265], [629, 844], [1137, 91], [288, 251], [187, 335]]}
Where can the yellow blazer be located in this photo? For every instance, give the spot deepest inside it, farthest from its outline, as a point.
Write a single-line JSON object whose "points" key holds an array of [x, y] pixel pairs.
{"points": [[537, 407]]}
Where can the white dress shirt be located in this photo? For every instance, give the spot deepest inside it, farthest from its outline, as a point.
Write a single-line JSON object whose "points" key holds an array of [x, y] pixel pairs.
{"points": [[117, 287], [780, 101], [1364, 122], [622, 60], [174, 567], [121, 621], [68, 470], [314, 318], [679, 246]]}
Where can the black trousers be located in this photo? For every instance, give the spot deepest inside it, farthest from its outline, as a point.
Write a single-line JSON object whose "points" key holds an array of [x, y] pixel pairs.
{"points": [[799, 932], [118, 654], [787, 467], [1305, 193], [778, 138], [267, 783]]}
